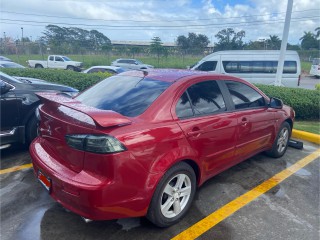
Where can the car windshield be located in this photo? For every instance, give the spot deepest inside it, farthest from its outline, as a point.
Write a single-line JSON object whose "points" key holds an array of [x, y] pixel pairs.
{"points": [[139, 62], [127, 95], [66, 58], [9, 79]]}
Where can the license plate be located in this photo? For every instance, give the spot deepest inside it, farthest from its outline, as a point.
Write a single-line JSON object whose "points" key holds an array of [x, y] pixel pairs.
{"points": [[45, 181]]}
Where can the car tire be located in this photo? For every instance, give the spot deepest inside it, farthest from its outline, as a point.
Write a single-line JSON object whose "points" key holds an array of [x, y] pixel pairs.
{"points": [[38, 66], [173, 195], [71, 68], [281, 142], [31, 129]]}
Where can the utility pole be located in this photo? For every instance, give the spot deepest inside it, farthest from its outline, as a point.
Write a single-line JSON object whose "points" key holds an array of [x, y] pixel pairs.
{"points": [[284, 44], [22, 40], [4, 42]]}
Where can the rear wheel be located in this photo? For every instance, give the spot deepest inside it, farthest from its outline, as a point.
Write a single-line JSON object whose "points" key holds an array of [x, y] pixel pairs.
{"points": [[173, 196], [280, 144], [70, 68], [38, 66]]}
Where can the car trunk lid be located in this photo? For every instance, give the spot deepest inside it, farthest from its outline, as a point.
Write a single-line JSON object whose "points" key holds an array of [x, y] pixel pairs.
{"points": [[61, 116]]}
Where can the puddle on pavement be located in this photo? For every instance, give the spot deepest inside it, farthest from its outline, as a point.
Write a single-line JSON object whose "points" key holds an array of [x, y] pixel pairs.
{"points": [[30, 230]]}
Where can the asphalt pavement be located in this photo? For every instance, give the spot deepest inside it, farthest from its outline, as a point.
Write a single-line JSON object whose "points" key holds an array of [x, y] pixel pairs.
{"points": [[289, 210], [308, 81]]}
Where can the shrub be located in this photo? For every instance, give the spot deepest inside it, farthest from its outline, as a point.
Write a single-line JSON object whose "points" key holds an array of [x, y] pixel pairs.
{"points": [[318, 86], [305, 102], [77, 80]]}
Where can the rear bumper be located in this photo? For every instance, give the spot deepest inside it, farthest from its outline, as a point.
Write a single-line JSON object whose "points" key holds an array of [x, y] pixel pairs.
{"points": [[84, 193]]}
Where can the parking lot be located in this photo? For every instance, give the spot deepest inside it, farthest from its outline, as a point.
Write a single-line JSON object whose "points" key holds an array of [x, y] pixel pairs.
{"points": [[308, 82], [289, 210]]}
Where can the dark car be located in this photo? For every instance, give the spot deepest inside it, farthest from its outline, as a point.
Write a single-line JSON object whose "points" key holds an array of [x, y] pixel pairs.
{"points": [[2, 58], [9, 64], [18, 105], [140, 143]]}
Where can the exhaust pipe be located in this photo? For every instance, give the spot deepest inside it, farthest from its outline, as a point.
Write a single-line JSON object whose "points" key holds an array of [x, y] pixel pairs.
{"points": [[87, 220]]}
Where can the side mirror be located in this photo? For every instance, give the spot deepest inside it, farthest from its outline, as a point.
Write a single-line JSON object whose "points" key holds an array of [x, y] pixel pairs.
{"points": [[275, 103], [4, 87]]}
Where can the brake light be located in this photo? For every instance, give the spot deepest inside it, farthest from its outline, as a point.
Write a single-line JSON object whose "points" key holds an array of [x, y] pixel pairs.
{"points": [[95, 143]]}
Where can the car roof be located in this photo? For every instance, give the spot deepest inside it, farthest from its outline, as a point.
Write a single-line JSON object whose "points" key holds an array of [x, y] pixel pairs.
{"points": [[10, 62], [126, 59], [110, 67], [168, 75]]}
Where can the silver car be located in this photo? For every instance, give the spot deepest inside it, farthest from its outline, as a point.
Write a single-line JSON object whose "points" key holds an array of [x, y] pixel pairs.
{"points": [[130, 64]]}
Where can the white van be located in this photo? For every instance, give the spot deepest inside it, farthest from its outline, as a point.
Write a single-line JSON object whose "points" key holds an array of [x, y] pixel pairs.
{"points": [[255, 66], [315, 67]]}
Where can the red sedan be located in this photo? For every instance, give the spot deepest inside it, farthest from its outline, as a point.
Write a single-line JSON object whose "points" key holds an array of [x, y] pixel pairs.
{"points": [[140, 143]]}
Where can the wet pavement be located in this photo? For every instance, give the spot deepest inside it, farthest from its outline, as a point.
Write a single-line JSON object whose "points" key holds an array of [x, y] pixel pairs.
{"points": [[288, 211], [308, 81]]}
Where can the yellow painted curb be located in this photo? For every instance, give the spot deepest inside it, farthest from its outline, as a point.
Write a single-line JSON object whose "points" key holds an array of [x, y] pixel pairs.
{"points": [[311, 137]]}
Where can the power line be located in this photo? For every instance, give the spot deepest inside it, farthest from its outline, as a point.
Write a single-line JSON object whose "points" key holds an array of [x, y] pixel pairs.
{"points": [[154, 26], [148, 21], [163, 28]]}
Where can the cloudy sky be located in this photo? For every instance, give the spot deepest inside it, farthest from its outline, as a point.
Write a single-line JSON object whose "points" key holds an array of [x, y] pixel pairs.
{"points": [[138, 20]]}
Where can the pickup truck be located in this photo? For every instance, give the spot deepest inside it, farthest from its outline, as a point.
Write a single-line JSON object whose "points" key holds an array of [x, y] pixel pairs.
{"points": [[56, 61]]}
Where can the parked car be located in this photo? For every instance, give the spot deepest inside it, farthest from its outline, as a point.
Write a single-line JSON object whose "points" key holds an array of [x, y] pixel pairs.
{"points": [[2, 58], [109, 69], [18, 103], [139, 143], [130, 64], [56, 61], [8, 64], [315, 67], [255, 66]]}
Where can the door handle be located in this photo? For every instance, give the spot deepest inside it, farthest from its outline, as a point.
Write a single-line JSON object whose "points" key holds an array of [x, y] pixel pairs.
{"points": [[244, 121], [195, 132]]}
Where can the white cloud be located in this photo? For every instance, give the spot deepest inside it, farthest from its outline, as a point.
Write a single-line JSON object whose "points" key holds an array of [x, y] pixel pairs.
{"points": [[156, 13]]}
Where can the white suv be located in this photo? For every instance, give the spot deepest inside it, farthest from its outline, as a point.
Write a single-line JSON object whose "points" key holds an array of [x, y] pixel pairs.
{"points": [[130, 64]]}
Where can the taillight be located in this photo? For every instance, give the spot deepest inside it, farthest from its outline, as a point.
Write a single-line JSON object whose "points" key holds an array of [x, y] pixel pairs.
{"points": [[299, 79], [95, 143]]}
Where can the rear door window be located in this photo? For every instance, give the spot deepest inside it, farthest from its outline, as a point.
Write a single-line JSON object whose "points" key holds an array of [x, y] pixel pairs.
{"points": [[202, 98]]}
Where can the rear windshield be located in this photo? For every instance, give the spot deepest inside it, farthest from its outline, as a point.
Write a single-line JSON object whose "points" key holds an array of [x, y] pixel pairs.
{"points": [[127, 95]]}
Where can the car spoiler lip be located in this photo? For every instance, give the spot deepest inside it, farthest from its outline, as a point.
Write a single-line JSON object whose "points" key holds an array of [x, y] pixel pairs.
{"points": [[103, 118]]}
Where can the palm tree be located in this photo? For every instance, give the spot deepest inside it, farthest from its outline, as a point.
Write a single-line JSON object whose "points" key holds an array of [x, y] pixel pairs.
{"points": [[317, 32], [309, 41]]}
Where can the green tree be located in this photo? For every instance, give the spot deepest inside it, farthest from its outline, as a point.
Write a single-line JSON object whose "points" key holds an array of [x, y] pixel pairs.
{"points": [[228, 39], [309, 41], [75, 40], [193, 44], [274, 42], [156, 47], [317, 32]]}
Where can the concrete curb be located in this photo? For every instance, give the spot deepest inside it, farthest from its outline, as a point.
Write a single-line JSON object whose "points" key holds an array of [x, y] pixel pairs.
{"points": [[310, 137]]}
